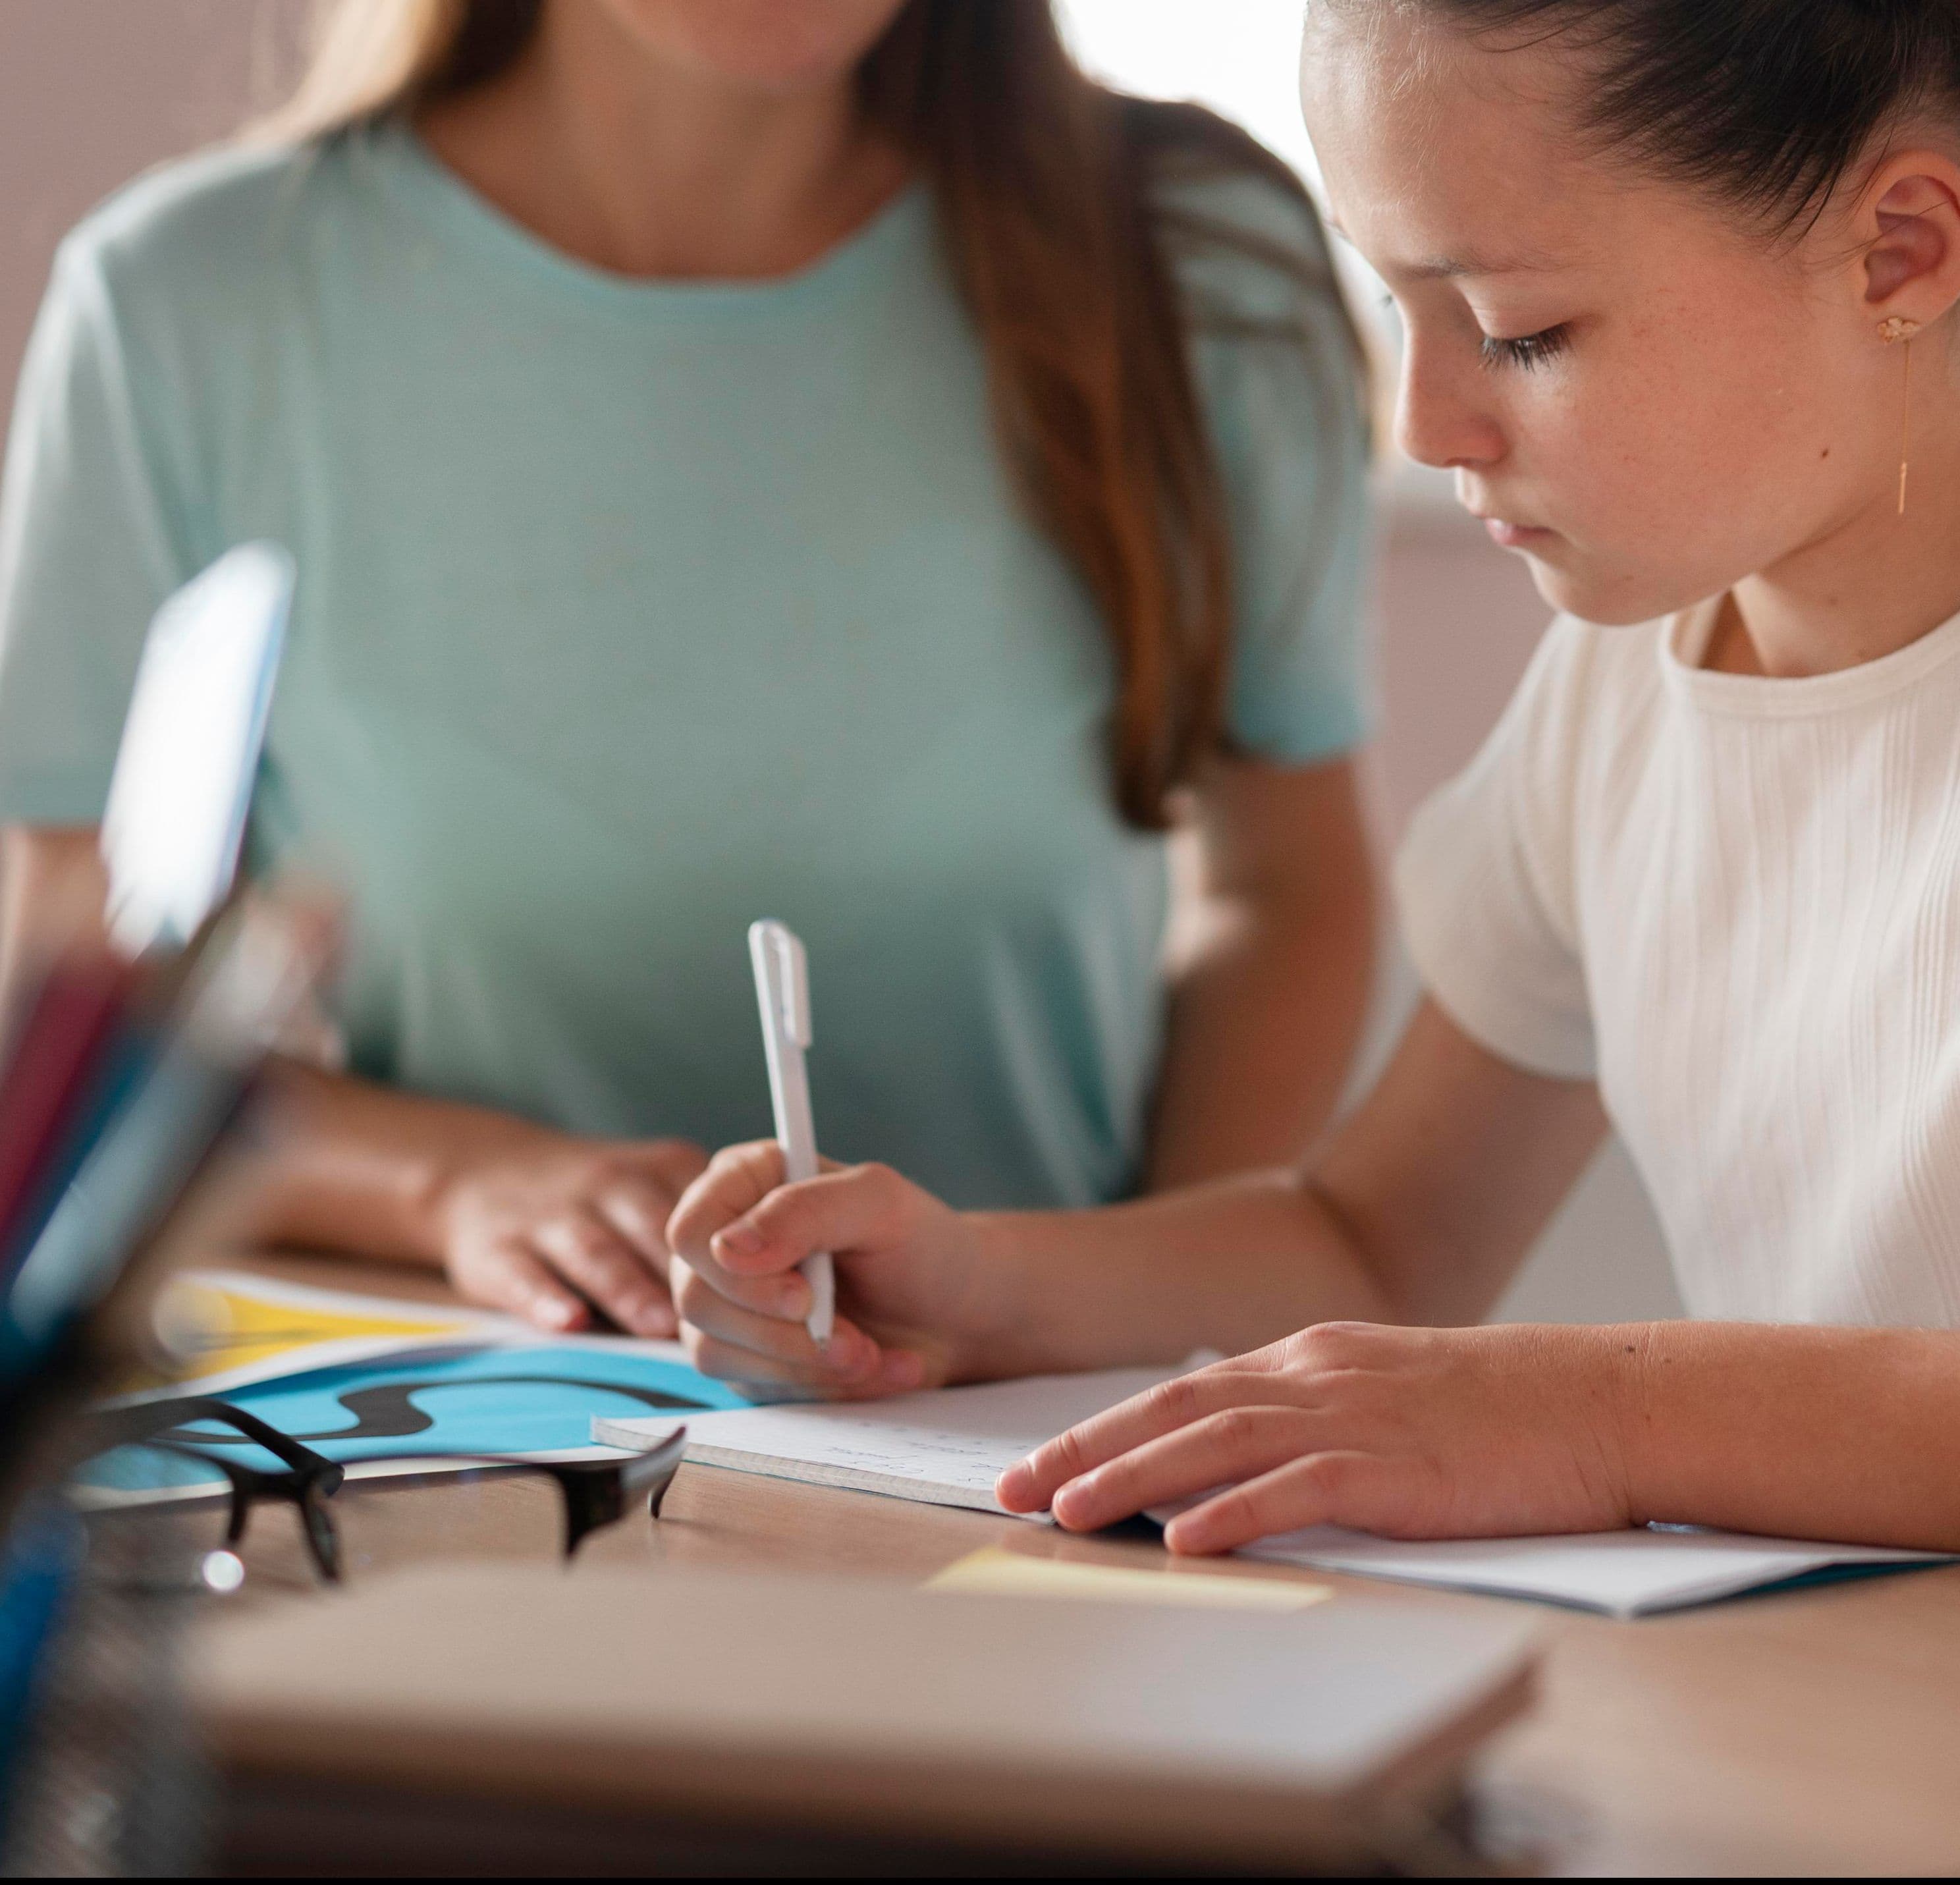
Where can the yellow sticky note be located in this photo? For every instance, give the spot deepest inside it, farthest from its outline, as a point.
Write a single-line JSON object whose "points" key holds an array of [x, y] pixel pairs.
{"points": [[993, 1572]]}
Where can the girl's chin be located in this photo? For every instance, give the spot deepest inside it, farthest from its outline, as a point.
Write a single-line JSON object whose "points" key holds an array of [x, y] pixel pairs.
{"points": [[1615, 600]]}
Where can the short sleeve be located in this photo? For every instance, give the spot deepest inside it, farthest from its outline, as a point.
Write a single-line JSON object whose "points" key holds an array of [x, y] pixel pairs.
{"points": [[1485, 879], [1282, 389], [88, 548]]}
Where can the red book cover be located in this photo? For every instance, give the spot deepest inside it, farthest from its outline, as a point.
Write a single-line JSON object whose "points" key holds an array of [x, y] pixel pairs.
{"points": [[48, 1076]]}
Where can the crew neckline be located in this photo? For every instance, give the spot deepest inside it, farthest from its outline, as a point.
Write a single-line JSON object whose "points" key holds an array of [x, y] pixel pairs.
{"points": [[443, 198], [1685, 643]]}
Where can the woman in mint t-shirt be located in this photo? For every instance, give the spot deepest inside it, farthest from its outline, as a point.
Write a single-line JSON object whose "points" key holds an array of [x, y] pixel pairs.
{"points": [[824, 459]]}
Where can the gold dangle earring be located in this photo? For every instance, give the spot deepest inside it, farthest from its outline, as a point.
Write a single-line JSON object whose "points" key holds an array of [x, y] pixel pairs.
{"points": [[1897, 327]]}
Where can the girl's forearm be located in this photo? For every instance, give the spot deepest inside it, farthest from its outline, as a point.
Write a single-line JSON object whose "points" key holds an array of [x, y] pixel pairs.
{"points": [[1849, 1434], [1230, 1266], [1400, 1219]]}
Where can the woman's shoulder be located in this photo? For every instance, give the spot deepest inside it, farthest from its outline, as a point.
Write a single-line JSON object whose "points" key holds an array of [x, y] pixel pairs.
{"points": [[192, 210], [1246, 239], [201, 232]]}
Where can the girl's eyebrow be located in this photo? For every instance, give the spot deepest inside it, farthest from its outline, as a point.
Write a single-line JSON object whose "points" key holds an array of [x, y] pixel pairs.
{"points": [[1447, 268]]}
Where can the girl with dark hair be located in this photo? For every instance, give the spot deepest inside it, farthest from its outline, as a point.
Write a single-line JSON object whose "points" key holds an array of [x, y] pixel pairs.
{"points": [[1678, 280], [824, 459]]}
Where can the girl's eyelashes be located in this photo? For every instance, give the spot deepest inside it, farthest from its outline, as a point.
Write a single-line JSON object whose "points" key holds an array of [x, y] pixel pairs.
{"points": [[1526, 350]]}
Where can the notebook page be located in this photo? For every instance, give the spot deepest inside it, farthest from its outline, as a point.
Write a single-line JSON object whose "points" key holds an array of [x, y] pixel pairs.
{"points": [[945, 1446]]}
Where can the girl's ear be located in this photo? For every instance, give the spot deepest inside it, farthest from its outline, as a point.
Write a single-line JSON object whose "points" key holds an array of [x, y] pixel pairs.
{"points": [[1910, 237]]}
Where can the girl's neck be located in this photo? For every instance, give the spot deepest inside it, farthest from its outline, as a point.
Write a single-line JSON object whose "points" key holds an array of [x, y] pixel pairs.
{"points": [[608, 155], [1876, 581]]}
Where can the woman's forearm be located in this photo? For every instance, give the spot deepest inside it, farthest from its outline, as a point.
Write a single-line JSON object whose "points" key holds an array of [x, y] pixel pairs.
{"points": [[522, 1217], [361, 1168], [1271, 959], [1851, 1435], [1266, 1013]]}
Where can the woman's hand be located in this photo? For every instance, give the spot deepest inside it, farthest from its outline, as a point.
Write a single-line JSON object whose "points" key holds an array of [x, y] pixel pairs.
{"points": [[1409, 1433], [552, 1228], [909, 1272]]}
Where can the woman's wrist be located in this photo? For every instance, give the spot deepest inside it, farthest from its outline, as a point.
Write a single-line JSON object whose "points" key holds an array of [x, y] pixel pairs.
{"points": [[441, 1174], [361, 1168]]}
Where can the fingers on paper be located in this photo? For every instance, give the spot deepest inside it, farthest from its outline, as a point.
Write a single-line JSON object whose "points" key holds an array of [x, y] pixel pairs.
{"points": [[589, 1252], [1235, 1444], [1365, 1491], [1030, 1485], [509, 1275]]}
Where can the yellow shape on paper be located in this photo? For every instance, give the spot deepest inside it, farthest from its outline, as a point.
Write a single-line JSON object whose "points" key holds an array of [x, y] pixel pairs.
{"points": [[994, 1572], [215, 1329]]}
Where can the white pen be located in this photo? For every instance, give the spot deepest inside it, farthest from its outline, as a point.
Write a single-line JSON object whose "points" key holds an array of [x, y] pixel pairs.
{"points": [[782, 992]]}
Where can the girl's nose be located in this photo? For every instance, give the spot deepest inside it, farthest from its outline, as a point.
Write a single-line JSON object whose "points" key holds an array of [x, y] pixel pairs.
{"points": [[1440, 419]]}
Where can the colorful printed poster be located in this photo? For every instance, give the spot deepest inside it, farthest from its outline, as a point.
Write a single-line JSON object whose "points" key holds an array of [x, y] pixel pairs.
{"points": [[228, 1329], [535, 1400]]}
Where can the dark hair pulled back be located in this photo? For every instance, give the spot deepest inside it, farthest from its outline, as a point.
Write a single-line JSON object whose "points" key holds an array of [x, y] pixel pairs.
{"points": [[1768, 104]]}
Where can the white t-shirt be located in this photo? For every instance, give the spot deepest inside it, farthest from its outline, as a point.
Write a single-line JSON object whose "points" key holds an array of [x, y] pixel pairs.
{"points": [[1735, 903]]}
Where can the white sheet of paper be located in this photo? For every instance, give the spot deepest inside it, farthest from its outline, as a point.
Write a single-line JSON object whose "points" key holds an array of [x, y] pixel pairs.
{"points": [[946, 1447], [1624, 1573]]}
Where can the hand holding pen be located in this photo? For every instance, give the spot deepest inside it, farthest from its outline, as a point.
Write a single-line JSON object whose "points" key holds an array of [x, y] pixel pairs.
{"points": [[741, 1298]]}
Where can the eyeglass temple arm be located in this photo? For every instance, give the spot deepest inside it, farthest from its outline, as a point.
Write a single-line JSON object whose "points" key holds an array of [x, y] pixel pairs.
{"points": [[152, 1420], [596, 1491]]}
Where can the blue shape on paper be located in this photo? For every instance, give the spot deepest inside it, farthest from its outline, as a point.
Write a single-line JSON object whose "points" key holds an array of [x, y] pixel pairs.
{"points": [[538, 1399]]}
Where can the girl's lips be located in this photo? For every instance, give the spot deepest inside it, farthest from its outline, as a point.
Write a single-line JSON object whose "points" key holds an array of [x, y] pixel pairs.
{"points": [[1515, 536]]}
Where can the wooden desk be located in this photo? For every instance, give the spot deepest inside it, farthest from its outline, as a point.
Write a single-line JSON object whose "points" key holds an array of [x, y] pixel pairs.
{"points": [[1817, 1731]]}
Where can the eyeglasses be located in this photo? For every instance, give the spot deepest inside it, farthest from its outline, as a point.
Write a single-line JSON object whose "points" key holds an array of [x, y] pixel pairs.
{"points": [[497, 1506]]}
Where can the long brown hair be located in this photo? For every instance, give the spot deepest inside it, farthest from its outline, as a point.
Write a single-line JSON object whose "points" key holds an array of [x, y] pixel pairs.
{"points": [[1050, 190]]}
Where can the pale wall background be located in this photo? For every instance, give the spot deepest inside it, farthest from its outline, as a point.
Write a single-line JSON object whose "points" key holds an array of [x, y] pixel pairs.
{"points": [[91, 91]]}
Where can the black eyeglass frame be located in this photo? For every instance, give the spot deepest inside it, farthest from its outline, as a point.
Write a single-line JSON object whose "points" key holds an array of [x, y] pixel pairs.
{"points": [[593, 1494], [305, 1480]]}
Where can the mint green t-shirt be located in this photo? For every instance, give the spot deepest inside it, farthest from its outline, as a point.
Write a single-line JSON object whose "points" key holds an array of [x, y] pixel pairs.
{"points": [[629, 611]]}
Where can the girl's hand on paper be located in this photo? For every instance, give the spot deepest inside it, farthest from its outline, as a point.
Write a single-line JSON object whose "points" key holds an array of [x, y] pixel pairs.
{"points": [[1407, 1433], [552, 1228], [907, 1267]]}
